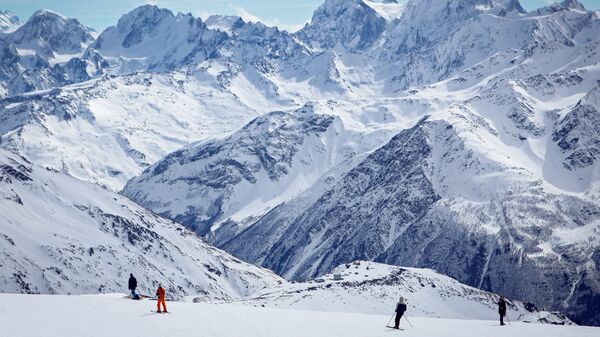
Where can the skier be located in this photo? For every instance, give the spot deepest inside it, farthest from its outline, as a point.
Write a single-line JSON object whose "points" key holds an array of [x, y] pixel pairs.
{"points": [[400, 309], [502, 310], [132, 286], [160, 294]]}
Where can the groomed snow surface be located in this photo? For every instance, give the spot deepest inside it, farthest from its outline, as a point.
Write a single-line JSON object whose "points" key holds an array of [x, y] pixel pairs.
{"points": [[112, 315]]}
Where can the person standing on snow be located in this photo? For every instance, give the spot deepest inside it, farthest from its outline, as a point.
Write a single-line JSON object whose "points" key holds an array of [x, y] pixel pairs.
{"points": [[160, 294], [132, 286], [400, 309], [502, 310]]}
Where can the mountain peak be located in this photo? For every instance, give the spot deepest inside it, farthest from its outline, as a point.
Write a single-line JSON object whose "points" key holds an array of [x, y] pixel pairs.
{"points": [[465, 8], [49, 32], [146, 15], [565, 5], [47, 14], [352, 23], [9, 21], [572, 4]]}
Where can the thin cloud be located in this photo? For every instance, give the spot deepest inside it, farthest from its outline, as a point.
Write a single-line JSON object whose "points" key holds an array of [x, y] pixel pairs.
{"points": [[249, 17], [203, 14]]}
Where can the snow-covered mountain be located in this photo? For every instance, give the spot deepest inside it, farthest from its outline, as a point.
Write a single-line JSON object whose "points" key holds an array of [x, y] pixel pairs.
{"points": [[154, 39], [211, 185], [374, 288], [457, 135], [493, 162], [44, 52], [49, 34], [9, 22], [354, 24], [63, 236], [150, 38], [122, 124]]}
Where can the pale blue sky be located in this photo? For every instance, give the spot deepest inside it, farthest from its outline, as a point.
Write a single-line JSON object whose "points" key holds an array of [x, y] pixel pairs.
{"points": [[288, 14]]}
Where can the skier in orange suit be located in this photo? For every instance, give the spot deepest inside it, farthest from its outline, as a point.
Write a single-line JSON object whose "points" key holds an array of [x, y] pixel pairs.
{"points": [[160, 294]]}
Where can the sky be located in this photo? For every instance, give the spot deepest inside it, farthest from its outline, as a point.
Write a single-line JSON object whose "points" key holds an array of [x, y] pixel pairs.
{"points": [[286, 14]]}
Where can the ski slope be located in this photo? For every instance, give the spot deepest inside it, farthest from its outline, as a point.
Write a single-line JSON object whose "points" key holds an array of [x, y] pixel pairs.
{"points": [[374, 288], [111, 315]]}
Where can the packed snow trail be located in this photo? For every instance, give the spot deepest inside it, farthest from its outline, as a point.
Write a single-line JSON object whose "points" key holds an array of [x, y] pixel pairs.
{"points": [[112, 315]]}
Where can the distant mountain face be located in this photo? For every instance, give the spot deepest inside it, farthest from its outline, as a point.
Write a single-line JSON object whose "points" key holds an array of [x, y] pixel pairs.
{"points": [[44, 53], [64, 236], [351, 24], [48, 33], [153, 39], [136, 119], [282, 152], [374, 288], [138, 40], [9, 21], [451, 135]]}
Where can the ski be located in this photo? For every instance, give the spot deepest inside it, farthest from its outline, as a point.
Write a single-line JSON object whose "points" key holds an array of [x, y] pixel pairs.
{"points": [[391, 327]]}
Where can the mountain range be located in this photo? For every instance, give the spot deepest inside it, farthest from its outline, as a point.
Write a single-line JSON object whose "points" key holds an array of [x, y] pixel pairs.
{"points": [[453, 135]]}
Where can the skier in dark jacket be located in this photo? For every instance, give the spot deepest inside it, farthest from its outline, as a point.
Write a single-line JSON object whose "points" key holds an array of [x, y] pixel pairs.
{"points": [[132, 286], [400, 309], [502, 310]]}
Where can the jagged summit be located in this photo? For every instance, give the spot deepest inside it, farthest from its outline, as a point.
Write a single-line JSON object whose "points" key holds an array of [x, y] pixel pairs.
{"points": [[143, 19], [571, 4], [351, 23], [48, 32], [152, 38], [48, 13], [9, 21]]}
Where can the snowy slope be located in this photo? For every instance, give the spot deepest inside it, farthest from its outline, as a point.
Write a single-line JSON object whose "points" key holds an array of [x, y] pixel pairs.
{"points": [[210, 184], [374, 288], [122, 125], [506, 212], [63, 236], [110, 315]]}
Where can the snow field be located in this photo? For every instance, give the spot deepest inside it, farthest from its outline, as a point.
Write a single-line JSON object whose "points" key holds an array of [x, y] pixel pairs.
{"points": [[112, 315]]}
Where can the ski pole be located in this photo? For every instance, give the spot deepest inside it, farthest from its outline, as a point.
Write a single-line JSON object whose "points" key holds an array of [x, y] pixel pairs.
{"points": [[388, 323], [406, 318]]}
